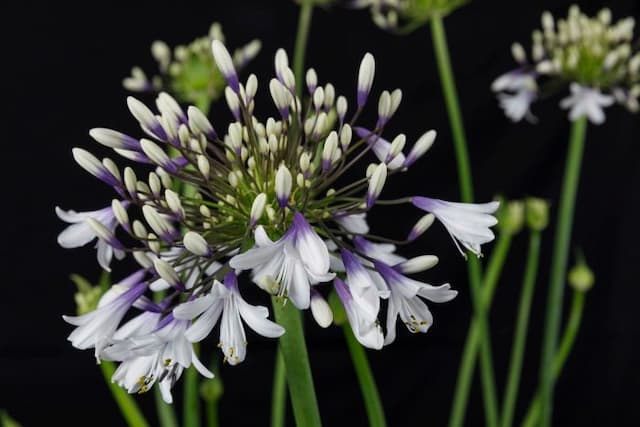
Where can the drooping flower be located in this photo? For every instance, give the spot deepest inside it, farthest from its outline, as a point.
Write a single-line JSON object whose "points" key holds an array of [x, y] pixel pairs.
{"points": [[468, 224], [595, 57], [225, 299], [366, 330], [80, 233]]}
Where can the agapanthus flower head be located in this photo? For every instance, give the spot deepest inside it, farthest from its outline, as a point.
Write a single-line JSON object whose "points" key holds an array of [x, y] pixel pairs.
{"points": [[265, 196], [406, 15], [189, 71], [595, 57]]}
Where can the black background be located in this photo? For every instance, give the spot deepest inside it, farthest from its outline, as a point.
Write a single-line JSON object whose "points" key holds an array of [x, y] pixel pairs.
{"points": [[63, 65]]}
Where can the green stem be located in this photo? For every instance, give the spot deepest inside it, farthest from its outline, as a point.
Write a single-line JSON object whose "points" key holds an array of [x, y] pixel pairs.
{"points": [[296, 360], [566, 344], [128, 406], [372, 402], [212, 414], [520, 333], [559, 267], [453, 107], [279, 392], [304, 24], [478, 337], [191, 404], [166, 415]]}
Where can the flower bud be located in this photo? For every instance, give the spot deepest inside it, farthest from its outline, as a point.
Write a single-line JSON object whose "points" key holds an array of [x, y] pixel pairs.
{"points": [[420, 147], [318, 98], [166, 272], [511, 217], [283, 185], [320, 310], [537, 213], [225, 64], [417, 264], [174, 203], [199, 124], [420, 227], [341, 107], [346, 133], [581, 277], [120, 213], [330, 146], [257, 209], [312, 80], [104, 234], [376, 184], [196, 244], [365, 78]]}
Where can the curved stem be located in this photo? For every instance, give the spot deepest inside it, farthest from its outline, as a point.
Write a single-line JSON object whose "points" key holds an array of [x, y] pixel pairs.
{"points": [[559, 267], [520, 333], [296, 360], [566, 345], [453, 107], [372, 402], [279, 392], [127, 405], [304, 24]]}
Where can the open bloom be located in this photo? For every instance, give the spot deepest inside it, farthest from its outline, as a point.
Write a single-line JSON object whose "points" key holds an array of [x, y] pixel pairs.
{"points": [[468, 224], [585, 101], [267, 197], [594, 55], [292, 264], [79, 233]]}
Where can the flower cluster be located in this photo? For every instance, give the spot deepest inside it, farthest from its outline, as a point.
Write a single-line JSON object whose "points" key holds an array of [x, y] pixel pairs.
{"points": [[592, 55], [406, 15], [261, 197], [189, 72]]}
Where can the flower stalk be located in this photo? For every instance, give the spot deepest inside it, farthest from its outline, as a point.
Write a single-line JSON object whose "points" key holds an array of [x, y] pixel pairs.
{"points": [[279, 392], [466, 189], [127, 405], [520, 334], [559, 267], [372, 401], [296, 360]]}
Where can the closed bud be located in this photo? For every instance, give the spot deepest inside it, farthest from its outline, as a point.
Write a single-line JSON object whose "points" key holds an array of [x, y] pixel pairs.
{"points": [[341, 107], [204, 166], [120, 213], [155, 185], [420, 227], [199, 124], [196, 244], [166, 272], [330, 146], [420, 147], [580, 277], [511, 217], [365, 78], [376, 184], [318, 98], [225, 64], [311, 79], [537, 213], [346, 133], [305, 161], [130, 181], [283, 185], [257, 209], [320, 310], [153, 243], [417, 264], [396, 147], [104, 234], [518, 53], [174, 203]]}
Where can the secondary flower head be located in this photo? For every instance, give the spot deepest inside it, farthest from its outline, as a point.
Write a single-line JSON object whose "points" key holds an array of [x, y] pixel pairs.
{"points": [[406, 15], [189, 71], [593, 56], [267, 196]]}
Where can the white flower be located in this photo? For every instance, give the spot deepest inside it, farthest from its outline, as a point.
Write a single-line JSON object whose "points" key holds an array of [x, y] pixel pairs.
{"points": [[95, 329], [290, 265], [225, 299], [367, 332], [405, 301], [79, 233], [586, 101], [356, 223], [467, 223], [518, 90], [153, 356]]}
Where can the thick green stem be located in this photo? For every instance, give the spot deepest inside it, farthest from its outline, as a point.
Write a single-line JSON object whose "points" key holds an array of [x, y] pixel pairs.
{"points": [[191, 404], [520, 333], [279, 392], [304, 24], [453, 107], [296, 360], [559, 267], [212, 414], [566, 344], [372, 402], [128, 406], [478, 338]]}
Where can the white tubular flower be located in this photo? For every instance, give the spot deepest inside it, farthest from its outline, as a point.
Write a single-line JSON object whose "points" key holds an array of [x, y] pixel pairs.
{"points": [[367, 332], [516, 91], [299, 259], [79, 233], [225, 299], [586, 102], [156, 356], [405, 301], [467, 223], [95, 329]]}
